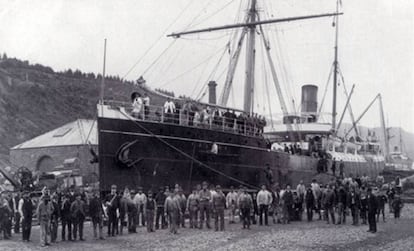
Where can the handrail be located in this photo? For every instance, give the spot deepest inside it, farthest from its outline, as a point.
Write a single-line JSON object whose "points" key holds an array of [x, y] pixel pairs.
{"points": [[213, 120]]}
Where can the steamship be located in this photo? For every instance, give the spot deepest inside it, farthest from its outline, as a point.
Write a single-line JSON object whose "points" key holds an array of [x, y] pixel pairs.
{"points": [[157, 148]]}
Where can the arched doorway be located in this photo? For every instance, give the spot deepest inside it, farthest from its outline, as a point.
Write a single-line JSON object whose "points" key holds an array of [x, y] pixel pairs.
{"points": [[45, 164]]}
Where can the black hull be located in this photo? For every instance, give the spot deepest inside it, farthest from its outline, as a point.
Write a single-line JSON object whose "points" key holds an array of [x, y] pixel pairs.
{"points": [[152, 154]]}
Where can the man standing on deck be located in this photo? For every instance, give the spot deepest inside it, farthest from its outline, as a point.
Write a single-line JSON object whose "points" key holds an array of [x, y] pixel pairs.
{"points": [[146, 103], [264, 199], [205, 198]]}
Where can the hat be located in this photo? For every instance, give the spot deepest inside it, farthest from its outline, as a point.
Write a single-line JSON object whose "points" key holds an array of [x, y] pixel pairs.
{"points": [[113, 186], [218, 187], [205, 183]]}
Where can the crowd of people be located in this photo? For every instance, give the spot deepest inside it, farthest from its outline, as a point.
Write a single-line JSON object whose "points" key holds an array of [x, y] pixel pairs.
{"points": [[193, 114], [125, 210]]}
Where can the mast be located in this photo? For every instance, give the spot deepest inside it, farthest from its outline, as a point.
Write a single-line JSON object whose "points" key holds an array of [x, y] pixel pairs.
{"points": [[384, 129], [103, 75], [335, 75], [250, 61]]}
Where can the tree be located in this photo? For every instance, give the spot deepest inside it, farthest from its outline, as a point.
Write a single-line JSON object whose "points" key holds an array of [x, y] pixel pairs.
{"points": [[4, 56]]}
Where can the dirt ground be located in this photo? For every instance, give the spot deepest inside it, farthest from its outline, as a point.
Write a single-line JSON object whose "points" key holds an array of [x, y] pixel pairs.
{"points": [[316, 235]]}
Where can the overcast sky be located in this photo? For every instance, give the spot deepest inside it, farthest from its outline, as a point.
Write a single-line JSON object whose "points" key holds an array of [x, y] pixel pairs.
{"points": [[376, 46]]}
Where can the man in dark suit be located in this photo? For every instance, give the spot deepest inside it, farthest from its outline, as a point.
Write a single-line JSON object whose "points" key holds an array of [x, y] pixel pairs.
{"points": [[112, 202], [372, 211]]}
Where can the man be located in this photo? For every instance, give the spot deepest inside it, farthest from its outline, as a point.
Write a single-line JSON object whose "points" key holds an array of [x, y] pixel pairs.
{"points": [[397, 205], [310, 203], [140, 199], [123, 209], [218, 204], [287, 202], [77, 210], [26, 211], [54, 219], [264, 199], [333, 167], [328, 203], [342, 203], [183, 203], [169, 110], [317, 195], [160, 200], [44, 212], [231, 203], [372, 211], [5, 214], [96, 212], [341, 168], [136, 105], [301, 190], [193, 202], [146, 102], [172, 210], [17, 215], [132, 214], [205, 198], [354, 203], [382, 200], [245, 203], [364, 205], [150, 207], [66, 218], [112, 203]]}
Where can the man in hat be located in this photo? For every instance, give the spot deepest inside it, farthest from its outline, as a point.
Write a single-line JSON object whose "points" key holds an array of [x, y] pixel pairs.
{"points": [[77, 210], [372, 211], [150, 207], [44, 212], [66, 217], [137, 104], [192, 207], [231, 202], [245, 203], [264, 199], [54, 219], [218, 204], [112, 203], [160, 200], [172, 210], [132, 214], [5, 214], [140, 199], [26, 211], [183, 203], [205, 198], [96, 212]]}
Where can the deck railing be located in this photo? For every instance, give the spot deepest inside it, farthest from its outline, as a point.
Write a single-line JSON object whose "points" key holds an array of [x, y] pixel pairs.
{"points": [[244, 126]]}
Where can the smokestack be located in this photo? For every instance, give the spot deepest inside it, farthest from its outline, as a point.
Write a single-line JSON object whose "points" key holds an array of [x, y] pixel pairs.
{"points": [[309, 99], [212, 92]]}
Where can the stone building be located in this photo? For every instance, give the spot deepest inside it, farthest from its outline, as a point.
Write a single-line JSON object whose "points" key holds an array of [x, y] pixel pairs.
{"points": [[66, 148]]}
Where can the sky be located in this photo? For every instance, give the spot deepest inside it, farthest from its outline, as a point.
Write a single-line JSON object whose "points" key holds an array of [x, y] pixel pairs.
{"points": [[376, 47]]}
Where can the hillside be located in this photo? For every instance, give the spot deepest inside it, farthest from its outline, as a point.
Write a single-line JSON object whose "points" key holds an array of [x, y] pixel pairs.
{"points": [[34, 99]]}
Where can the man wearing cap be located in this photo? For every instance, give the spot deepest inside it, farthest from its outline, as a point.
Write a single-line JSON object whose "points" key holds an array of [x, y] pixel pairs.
{"points": [[96, 212], [149, 209], [245, 203], [112, 203], [192, 207], [160, 200], [218, 203], [66, 217], [231, 202], [54, 219], [183, 203], [140, 199], [372, 211], [5, 214], [205, 198], [264, 199], [44, 212], [172, 210], [26, 211], [77, 210]]}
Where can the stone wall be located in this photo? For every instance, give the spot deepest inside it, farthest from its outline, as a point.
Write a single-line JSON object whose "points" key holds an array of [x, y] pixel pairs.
{"points": [[46, 159]]}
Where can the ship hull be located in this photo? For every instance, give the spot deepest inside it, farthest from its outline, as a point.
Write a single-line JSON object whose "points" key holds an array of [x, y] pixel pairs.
{"points": [[149, 154]]}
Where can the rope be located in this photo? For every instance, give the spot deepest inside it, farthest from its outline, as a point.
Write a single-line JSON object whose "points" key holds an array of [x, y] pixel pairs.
{"points": [[158, 39], [326, 89], [185, 154], [89, 133], [215, 12]]}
